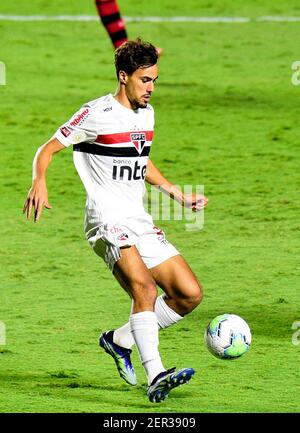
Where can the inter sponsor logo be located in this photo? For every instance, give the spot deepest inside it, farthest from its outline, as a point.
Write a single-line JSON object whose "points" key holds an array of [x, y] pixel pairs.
{"points": [[125, 172]]}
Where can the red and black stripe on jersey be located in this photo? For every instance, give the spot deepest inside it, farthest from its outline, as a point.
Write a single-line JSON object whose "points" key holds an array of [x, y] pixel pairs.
{"points": [[95, 149], [124, 144]]}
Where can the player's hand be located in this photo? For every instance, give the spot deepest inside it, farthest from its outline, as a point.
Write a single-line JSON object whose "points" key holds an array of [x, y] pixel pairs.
{"points": [[37, 198], [196, 202]]}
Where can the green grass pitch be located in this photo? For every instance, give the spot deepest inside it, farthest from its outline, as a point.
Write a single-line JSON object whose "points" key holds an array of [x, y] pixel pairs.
{"points": [[227, 117]]}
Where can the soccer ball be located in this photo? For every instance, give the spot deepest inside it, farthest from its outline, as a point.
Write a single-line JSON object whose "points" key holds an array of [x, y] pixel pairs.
{"points": [[227, 336]]}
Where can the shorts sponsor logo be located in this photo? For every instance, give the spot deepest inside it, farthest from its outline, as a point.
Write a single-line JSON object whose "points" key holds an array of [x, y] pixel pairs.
{"points": [[80, 117], [139, 140], [65, 131], [160, 235], [123, 237], [115, 229]]}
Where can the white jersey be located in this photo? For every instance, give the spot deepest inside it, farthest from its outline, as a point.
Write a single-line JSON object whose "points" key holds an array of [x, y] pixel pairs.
{"points": [[111, 145]]}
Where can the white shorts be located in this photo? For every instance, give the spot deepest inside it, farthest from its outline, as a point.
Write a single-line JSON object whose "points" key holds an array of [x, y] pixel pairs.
{"points": [[106, 240]]}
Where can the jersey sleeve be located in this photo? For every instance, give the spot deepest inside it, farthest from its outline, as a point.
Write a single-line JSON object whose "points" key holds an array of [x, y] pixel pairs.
{"points": [[80, 128]]}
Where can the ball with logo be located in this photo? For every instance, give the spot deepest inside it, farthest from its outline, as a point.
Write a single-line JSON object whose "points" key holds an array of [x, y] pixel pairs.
{"points": [[228, 336]]}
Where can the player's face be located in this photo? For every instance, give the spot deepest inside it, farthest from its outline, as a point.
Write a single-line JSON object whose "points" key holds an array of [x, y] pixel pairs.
{"points": [[140, 85]]}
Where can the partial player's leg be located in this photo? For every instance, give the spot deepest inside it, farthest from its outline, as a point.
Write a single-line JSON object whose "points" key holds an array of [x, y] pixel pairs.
{"points": [[181, 286], [133, 275], [136, 279], [182, 294], [110, 16]]}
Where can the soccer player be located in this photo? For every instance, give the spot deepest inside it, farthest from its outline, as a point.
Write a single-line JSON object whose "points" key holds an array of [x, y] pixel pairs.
{"points": [[111, 138], [110, 15]]}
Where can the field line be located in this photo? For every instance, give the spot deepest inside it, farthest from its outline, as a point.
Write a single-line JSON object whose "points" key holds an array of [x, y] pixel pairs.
{"points": [[152, 19]]}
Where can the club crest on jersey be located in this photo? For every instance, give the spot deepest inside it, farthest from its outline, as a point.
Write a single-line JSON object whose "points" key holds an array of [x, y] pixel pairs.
{"points": [[139, 140]]}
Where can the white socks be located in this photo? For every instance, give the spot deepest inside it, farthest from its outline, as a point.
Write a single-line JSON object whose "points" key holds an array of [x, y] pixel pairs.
{"points": [[123, 337], [145, 333], [142, 330], [165, 317]]}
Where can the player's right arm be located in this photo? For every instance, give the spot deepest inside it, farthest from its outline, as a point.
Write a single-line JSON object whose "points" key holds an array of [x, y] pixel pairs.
{"points": [[37, 196], [82, 127]]}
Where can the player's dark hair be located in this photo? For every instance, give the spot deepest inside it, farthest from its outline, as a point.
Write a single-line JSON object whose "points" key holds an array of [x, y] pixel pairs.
{"points": [[133, 55]]}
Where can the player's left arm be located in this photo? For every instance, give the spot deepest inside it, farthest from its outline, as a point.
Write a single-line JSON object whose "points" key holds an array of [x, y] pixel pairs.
{"points": [[154, 177]]}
